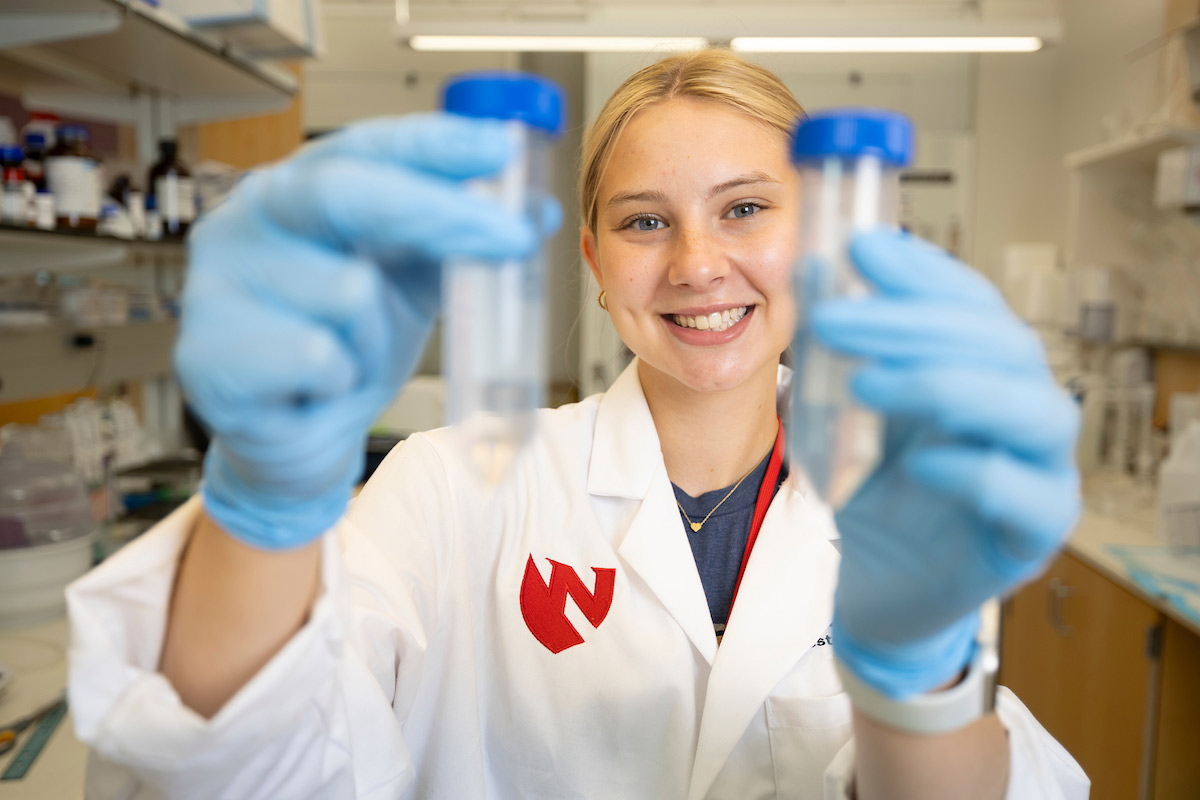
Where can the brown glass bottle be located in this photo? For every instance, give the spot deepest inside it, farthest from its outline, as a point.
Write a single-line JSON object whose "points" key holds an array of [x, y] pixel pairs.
{"points": [[174, 192]]}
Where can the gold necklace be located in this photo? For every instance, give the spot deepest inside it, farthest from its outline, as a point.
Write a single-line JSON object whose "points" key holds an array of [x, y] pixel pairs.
{"points": [[696, 526]]}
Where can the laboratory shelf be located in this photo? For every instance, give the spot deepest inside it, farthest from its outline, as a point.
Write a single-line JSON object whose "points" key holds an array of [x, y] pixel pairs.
{"points": [[52, 359], [1139, 150], [94, 58], [28, 250]]}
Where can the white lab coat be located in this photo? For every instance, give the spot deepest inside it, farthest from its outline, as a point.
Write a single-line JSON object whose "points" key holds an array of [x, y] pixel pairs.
{"points": [[418, 675]]}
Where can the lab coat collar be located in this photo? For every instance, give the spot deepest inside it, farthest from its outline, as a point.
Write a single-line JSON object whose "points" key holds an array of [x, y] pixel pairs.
{"points": [[627, 462], [625, 448]]}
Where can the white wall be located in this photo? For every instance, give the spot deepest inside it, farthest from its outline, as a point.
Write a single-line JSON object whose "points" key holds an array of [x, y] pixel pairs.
{"points": [[1019, 175], [1031, 110], [365, 72]]}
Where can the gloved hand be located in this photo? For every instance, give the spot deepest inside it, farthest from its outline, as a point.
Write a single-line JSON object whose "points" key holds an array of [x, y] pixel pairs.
{"points": [[977, 487], [309, 297]]}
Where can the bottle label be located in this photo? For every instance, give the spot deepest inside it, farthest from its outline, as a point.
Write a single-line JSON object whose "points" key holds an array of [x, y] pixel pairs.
{"points": [[12, 206], [75, 183], [176, 197]]}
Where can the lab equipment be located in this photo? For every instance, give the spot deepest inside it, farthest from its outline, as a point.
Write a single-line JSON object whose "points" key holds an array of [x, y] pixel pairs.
{"points": [[1179, 491], [45, 536], [1177, 182], [44, 123], [977, 485], [494, 342], [170, 183], [849, 163], [44, 215], [152, 230], [1146, 452], [73, 177], [311, 291], [13, 191], [1182, 408], [35, 160]]}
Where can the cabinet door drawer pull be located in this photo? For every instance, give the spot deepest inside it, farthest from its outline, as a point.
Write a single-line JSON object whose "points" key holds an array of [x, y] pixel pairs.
{"points": [[1056, 593]]}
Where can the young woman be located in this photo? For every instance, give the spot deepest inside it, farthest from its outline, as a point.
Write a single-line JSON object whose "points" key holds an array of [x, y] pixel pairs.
{"points": [[558, 637]]}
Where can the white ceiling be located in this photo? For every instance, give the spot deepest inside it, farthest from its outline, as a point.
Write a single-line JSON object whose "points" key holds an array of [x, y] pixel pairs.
{"points": [[571, 8]]}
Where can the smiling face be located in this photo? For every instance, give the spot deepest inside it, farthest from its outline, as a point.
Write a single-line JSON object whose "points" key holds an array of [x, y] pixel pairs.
{"points": [[694, 238]]}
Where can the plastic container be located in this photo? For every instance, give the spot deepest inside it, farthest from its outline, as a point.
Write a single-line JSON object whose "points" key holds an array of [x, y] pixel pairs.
{"points": [[35, 160], [44, 216], [44, 123], [494, 350], [1179, 491], [73, 177], [46, 535], [14, 199], [174, 191], [849, 162]]}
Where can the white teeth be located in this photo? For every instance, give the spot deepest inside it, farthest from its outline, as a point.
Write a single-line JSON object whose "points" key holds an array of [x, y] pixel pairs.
{"points": [[716, 321]]}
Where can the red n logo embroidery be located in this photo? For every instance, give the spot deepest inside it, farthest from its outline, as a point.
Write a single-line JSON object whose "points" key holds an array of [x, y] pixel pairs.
{"points": [[544, 607]]}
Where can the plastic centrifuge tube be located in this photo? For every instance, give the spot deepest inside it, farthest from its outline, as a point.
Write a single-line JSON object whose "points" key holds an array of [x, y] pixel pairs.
{"points": [[849, 162], [493, 355]]}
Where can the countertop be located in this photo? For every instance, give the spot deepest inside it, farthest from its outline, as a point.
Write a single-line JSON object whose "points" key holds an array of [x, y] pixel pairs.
{"points": [[1121, 513], [38, 654]]}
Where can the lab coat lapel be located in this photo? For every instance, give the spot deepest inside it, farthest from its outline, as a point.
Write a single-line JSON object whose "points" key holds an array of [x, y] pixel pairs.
{"points": [[784, 605], [627, 462]]}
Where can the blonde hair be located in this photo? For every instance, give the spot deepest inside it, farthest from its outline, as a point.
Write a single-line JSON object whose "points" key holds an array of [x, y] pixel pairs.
{"points": [[717, 75]]}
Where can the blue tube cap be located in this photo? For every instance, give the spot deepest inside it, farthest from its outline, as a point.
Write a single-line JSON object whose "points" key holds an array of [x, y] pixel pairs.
{"points": [[532, 99], [70, 131], [854, 132]]}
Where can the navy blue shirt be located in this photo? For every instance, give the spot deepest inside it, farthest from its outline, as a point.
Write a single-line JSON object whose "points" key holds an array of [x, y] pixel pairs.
{"points": [[719, 545]]}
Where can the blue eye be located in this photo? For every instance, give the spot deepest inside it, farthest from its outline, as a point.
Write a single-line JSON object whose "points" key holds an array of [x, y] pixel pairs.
{"points": [[647, 224], [745, 210]]}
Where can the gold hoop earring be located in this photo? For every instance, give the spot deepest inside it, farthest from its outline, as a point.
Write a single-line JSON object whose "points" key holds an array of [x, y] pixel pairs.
{"points": [[602, 301]]}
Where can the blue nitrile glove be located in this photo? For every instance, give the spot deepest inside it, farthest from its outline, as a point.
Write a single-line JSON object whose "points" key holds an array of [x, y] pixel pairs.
{"points": [[309, 297], [977, 487]]}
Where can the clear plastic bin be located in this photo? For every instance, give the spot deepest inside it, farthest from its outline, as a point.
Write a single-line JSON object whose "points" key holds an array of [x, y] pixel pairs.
{"points": [[46, 534]]}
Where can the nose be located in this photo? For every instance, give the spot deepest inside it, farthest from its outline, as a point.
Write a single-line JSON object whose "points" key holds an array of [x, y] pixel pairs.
{"points": [[697, 260]]}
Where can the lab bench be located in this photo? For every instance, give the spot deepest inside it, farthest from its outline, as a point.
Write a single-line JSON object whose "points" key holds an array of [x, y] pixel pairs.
{"points": [[1110, 669], [39, 655]]}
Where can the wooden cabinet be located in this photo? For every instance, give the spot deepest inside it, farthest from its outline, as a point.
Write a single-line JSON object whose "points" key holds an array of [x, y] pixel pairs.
{"points": [[1177, 736], [1110, 677]]}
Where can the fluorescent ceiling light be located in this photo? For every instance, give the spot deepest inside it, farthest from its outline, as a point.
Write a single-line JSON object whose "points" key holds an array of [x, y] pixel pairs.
{"points": [[887, 44], [555, 44]]}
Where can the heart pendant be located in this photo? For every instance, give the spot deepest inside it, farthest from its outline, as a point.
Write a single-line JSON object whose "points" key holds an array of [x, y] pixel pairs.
{"points": [[696, 525]]}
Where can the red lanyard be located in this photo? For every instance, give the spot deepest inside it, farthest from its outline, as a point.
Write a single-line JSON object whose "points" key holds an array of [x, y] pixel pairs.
{"points": [[766, 492]]}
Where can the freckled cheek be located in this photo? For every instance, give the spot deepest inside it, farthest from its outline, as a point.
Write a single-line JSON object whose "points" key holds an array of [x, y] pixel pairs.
{"points": [[630, 280], [772, 267]]}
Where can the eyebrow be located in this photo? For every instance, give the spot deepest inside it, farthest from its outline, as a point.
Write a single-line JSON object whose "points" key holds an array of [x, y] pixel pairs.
{"points": [[651, 195]]}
